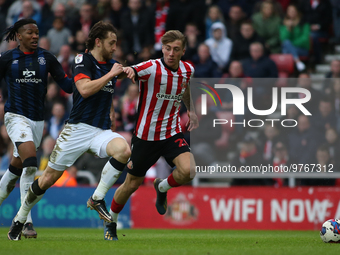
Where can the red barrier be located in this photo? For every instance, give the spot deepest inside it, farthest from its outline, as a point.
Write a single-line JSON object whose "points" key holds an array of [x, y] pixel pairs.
{"points": [[237, 208]]}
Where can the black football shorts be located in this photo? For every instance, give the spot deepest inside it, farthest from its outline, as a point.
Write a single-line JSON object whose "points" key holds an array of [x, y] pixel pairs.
{"points": [[144, 154]]}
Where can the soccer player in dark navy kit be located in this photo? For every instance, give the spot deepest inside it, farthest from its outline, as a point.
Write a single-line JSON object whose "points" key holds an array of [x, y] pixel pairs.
{"points": [[25, 70], [90, 127]]}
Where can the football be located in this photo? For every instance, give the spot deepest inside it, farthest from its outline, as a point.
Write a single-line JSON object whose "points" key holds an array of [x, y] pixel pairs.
{"points": [[330, 231]]}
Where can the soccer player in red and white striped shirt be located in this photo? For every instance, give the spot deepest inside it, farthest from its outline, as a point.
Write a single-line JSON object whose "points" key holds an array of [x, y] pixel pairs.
{"points": [[163, 84]]}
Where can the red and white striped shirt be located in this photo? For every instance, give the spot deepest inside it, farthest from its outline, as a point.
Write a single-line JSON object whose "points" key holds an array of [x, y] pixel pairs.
{"points": [[161, 90]]}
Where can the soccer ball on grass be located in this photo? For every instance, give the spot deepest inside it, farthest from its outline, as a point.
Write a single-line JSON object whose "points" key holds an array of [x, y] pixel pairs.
{"points": [[330, 231]]}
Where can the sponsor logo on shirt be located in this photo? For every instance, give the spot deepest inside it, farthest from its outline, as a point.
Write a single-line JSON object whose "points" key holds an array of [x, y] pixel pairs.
{"points": [[28, 77], [15, 62], [108, 87], [169, 96]]}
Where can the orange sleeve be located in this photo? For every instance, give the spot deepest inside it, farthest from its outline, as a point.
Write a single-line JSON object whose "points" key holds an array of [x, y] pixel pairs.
{"points": [[80, 76]]}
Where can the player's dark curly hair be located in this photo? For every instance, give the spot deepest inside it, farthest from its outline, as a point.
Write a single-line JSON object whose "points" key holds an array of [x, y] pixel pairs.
{"points": [[99, 30], [12, 31]]}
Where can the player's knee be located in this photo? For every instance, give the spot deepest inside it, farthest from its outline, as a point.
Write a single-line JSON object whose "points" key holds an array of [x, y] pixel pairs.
{"points": [[120, 150], [125, 152]]}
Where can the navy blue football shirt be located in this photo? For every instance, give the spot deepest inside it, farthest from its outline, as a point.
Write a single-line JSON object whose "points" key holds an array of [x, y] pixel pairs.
{"points": [[94, 110], [26, 76]]}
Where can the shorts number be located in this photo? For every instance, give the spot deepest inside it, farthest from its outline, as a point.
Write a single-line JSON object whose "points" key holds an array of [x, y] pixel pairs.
{"points": [[181, 142]]}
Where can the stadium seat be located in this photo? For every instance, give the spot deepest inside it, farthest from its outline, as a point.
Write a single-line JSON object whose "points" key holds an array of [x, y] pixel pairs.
{"points": [[284, 62]]}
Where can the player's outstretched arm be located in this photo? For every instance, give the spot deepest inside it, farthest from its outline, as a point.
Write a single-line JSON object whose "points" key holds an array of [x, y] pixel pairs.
{"points": [[87, 87], [128, 72], [187, 100], [66, 84]]}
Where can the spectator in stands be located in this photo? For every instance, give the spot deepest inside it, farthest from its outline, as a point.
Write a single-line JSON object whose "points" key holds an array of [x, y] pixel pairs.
{"points": [[284, 4], [66, 58], [325, 117], [333, 143], [180, 13], [294, 34], [2, 113], [116, 11], [47, 16], [137, 30], [269, 137], [233, 77], [242, 42], [102, 9], [266, 24], [319, 15], [43, 154], [4, 141], [56, 123], [203, 139], [205, 67], [59, 35], [16, 8], [7, 157], [259, 65], [249, 155], [159, 12], [304, 81], [334, 73], [281, 158], [53, 95], [78, 45], [73, 5], [28, 11], [194, 39], [84, 20], [59, 11], [290, 119], [225, 6], [4, 6], [44, 43], [129, 107], [303, 142], [233, 24], [214, 14], [335, 97], [323, 161], [336, 21], [220, 46]]}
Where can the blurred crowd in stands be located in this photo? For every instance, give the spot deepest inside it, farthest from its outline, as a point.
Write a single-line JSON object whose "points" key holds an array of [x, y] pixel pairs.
{"points": [[227, 39]]}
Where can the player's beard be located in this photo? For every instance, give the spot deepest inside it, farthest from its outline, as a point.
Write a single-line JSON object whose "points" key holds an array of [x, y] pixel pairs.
{"points": [[106, 55]]}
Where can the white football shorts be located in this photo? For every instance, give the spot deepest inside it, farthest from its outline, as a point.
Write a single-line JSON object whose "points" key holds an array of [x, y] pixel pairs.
{"points": [[76, 139], [21, 129]]}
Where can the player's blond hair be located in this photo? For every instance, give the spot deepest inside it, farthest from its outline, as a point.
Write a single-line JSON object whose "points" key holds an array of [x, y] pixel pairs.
{"points": [[173, 35]]}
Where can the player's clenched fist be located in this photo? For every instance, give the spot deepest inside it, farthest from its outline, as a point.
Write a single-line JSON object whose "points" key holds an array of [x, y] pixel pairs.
{"points": [[116, 69], [130, 73]]}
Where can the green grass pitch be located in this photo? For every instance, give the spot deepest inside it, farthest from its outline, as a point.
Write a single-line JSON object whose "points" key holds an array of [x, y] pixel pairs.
{"points": [[66, 241]]}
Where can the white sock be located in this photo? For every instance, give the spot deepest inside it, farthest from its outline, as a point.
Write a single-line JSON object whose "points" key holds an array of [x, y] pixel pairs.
{"points": [[164, 186], [114, 216], [26, 180], [30, 200], [7, 184], [109, 176]]}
